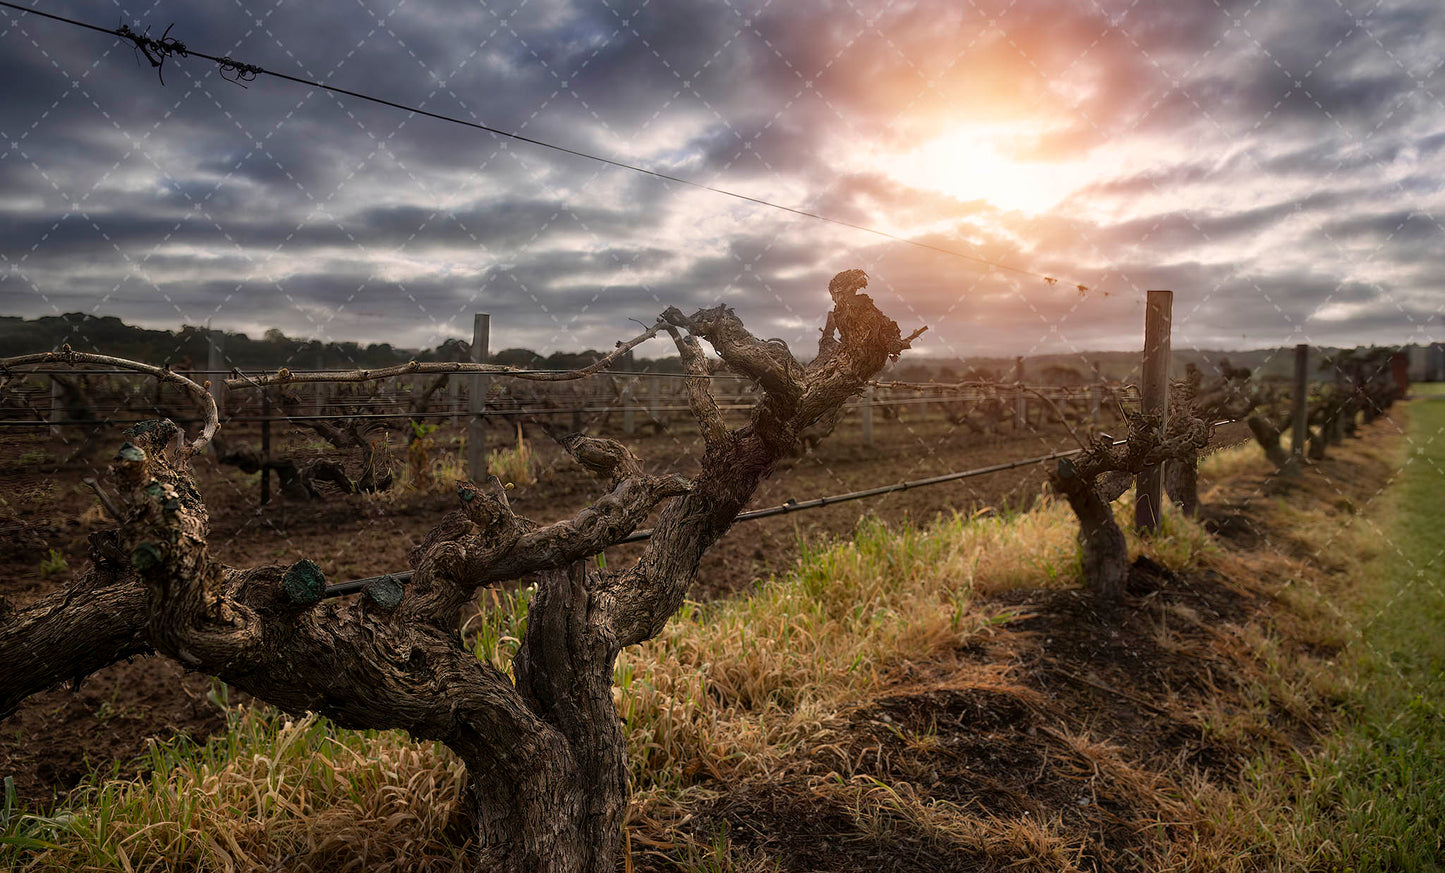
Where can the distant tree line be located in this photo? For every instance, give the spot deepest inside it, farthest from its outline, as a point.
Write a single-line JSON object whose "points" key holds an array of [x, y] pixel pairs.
{"points": [[188, 347]]}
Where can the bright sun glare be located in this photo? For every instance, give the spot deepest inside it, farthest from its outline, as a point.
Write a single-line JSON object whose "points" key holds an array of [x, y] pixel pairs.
{"points": [[967, 165]]}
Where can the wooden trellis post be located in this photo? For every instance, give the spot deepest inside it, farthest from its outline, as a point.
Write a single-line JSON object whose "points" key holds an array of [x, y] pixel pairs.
{"points": [[320, 397], [265, 447], [477, 401], [654, 402], [1021, 410], [216, 363], [868, 416], [57, 406], [629, 414], [1301, 405], [1149, 485], [1096, 396]]}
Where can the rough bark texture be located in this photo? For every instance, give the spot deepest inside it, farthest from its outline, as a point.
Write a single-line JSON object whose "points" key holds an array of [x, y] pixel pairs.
{"points": [[1181, 473], [1268, 434], [1103, 471], [1104, 553], [71, 634], [545, 756], [1181, 483]]}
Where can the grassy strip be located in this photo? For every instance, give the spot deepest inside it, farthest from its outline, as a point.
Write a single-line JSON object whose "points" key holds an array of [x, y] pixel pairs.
{"points": [[1372, 796], [1380, 794]]}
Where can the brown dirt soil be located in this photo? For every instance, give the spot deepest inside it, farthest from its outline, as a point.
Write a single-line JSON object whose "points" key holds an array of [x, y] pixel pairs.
{"points": [[1096, 725], [61, 735]]}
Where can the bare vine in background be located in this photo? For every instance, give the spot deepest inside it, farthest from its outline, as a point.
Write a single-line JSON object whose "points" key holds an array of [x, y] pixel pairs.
{"points": [[1093, 479]]}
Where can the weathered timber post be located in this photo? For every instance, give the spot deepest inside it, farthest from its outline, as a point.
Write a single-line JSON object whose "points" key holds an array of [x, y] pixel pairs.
{"points": [[319, 391], [477, 401], [57, 406], [1096, 396], [216, 363], [1149, 485], [265, 447], [1300, 433], [629, 414], [454, 399], [654, 402], [867, 410], [1021, 409]]}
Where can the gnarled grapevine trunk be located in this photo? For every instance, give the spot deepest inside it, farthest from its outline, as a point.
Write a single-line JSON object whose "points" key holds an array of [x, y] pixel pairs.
{"points": [[1102, 472], [1104, 553], [1268, 435], [545, 755], [1181, 483]]}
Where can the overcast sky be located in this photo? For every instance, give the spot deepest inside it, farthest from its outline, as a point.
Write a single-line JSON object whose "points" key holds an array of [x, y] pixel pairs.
{"points": [[1277, 164]]}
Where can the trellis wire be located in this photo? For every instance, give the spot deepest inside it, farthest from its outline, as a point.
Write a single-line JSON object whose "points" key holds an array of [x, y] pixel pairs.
{"points": [[238, 71], [492, 413], [340, 589]]}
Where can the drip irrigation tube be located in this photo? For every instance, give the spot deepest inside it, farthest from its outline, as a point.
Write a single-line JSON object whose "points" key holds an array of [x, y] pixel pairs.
{"points": [[354, 586], [342, 588]]}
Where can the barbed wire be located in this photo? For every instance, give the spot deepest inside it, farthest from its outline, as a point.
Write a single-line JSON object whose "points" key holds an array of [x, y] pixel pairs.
{"points": [[158, 50]]}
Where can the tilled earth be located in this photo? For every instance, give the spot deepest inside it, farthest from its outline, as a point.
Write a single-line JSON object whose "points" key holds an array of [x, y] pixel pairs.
{"points": [[60, 736]]}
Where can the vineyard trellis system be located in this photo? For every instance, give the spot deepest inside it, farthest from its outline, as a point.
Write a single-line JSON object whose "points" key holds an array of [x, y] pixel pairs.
{"points": [[273, 631], [1154, 397], [354, 586], [878, 395], [1267, 424]]}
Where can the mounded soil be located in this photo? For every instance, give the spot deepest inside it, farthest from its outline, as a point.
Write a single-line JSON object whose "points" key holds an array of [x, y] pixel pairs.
{"points": [[1099, 720]]}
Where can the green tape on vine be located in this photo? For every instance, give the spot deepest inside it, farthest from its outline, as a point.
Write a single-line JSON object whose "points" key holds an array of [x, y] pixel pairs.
{"points": [[385, 592], [304, 583]]}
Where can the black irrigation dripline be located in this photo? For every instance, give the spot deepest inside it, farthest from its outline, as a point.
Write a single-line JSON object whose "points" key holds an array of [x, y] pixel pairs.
{"points": [[342, 588], [168, 46]]}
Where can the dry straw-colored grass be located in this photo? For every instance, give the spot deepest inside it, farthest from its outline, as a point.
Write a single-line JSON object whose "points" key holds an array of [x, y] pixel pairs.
{"points": [[272, 793], [729, 690]]}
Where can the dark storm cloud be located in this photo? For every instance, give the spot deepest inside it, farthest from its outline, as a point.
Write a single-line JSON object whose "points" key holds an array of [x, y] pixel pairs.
{"points": [[1406, 229], [1181, 229], [498, 226], [1288, 132]]}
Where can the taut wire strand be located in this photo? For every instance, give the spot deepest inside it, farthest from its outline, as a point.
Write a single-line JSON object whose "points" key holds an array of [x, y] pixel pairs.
{"points": [[237, 71]]}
